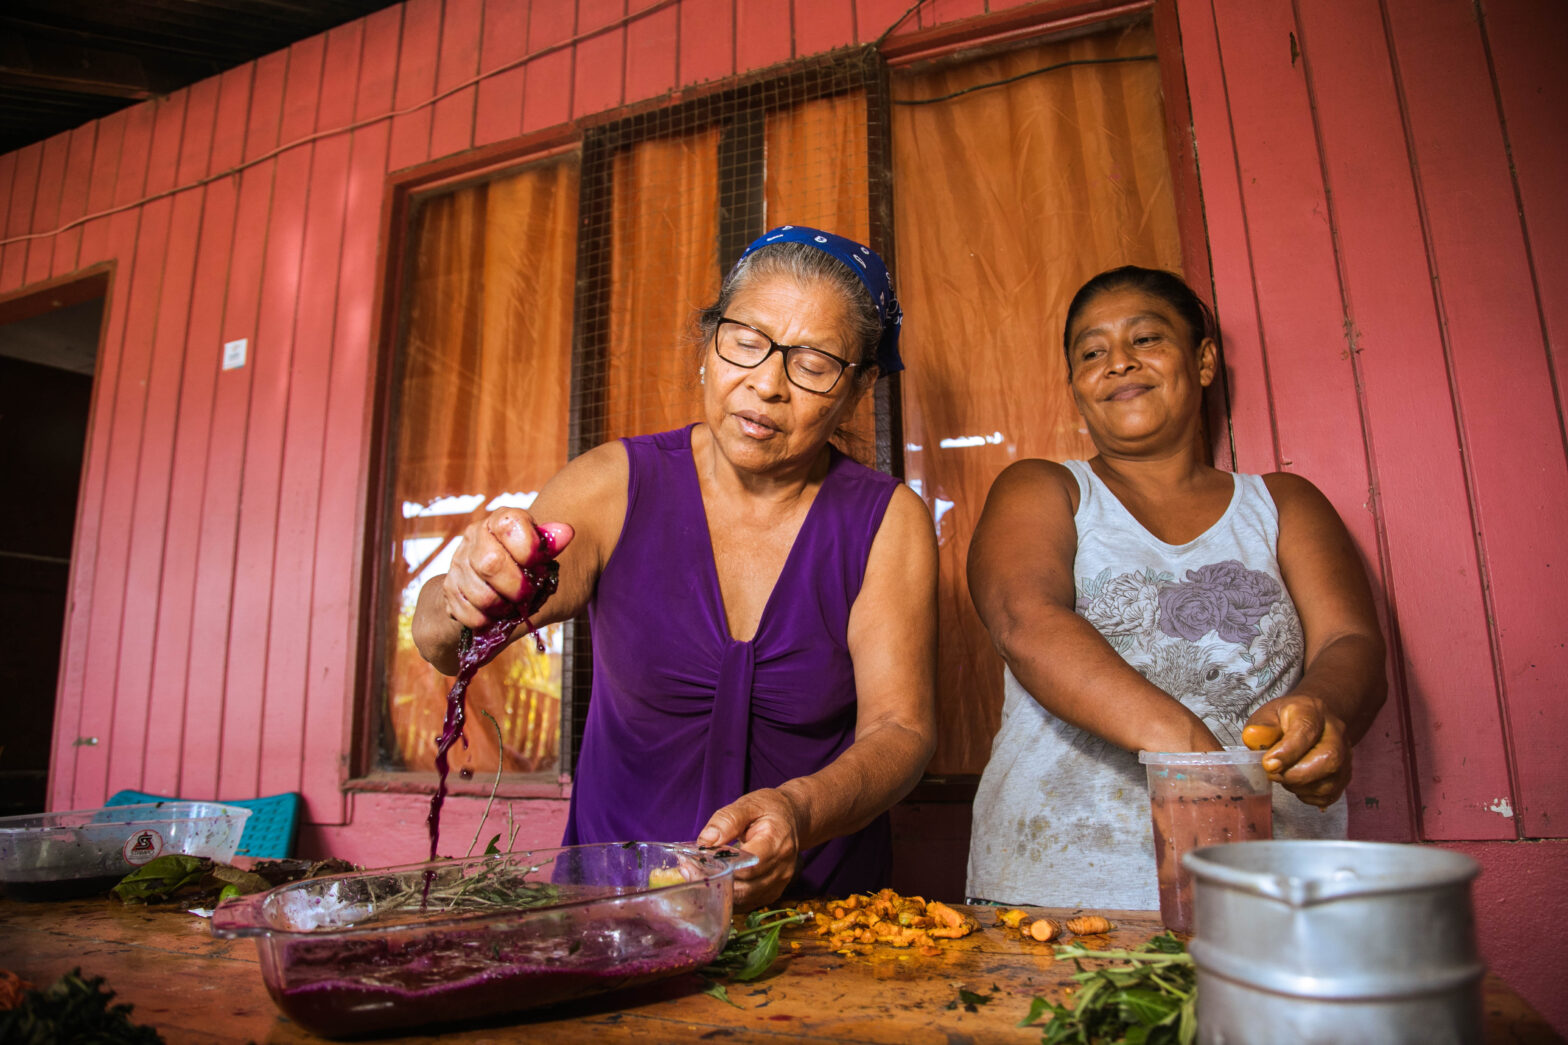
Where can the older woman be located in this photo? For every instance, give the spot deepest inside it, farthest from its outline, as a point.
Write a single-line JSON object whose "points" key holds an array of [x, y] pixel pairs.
{"points": [[763, 607], [1144, 600]]}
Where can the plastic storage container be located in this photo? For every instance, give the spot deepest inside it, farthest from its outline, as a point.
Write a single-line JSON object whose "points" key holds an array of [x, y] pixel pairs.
{"points": [[1199, 798], [52, 856], [371, 951]]}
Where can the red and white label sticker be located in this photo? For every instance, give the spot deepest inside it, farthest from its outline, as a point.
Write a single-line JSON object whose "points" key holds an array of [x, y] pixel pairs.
{"points": [[142, 846]]}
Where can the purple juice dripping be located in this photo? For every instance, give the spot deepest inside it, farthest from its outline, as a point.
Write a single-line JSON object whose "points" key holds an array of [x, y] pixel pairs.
{"points": [[539, 581]]}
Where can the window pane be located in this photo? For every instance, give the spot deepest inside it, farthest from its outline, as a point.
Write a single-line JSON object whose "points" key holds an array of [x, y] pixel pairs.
{"points": [[480, 422], [663, 267], [818, 175], [1008, 198]]}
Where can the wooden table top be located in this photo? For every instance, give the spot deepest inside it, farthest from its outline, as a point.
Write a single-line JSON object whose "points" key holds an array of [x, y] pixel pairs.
{"points": [[194, 988]]}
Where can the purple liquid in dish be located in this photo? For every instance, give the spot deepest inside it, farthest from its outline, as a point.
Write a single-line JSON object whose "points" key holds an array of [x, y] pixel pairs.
{"points": [[352, 987], [539, 581]]}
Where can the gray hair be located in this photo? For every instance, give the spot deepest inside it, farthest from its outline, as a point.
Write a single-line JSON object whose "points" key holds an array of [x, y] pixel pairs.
{"points": [[806, 265]]}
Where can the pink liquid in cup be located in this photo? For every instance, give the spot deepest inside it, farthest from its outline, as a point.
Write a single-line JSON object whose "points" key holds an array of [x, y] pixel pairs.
{"points": [[1202, 798]]}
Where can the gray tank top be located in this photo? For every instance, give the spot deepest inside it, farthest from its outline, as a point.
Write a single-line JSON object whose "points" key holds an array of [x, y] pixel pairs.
{"points": [[1061, 817]]}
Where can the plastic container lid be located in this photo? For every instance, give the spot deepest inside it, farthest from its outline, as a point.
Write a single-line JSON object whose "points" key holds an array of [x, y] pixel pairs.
{"points": [[1231, 756]]}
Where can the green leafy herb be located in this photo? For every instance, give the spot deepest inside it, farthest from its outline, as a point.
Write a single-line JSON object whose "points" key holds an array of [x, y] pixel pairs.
{"points": [[1149, 1000], [73, 1009], [193, 880], [751, 951], [1037, 1008], [717, 990], [162, 877]]}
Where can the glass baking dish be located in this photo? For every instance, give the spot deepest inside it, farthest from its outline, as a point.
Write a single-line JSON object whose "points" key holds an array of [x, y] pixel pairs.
{"points": [[452, 940], [54, 856]]}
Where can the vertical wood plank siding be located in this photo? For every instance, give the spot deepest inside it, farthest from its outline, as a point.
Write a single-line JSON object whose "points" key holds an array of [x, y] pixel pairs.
{"points": [[498, 105], [213, 405], [25, 166], [1388, 285], [1533, 97], [46, 208], [1409, 416], [452, 116], [120, 388], [1502, 380]]}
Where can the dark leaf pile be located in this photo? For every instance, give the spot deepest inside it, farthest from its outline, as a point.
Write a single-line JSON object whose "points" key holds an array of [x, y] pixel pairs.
{"points": [[73, 1009]]}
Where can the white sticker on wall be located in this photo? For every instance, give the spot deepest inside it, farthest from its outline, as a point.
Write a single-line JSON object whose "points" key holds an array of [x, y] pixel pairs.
{"points": [[234, 354]]}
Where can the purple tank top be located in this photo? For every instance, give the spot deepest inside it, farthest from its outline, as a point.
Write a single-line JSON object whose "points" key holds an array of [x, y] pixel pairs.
{"points": [[684, 719]]}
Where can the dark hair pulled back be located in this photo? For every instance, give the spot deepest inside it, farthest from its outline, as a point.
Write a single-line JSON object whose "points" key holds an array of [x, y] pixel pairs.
{"points": [[1167, 286]]}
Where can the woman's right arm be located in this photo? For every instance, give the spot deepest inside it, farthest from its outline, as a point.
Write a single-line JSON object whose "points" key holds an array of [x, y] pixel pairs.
{"points": [[1021, 580], [582, 506]]}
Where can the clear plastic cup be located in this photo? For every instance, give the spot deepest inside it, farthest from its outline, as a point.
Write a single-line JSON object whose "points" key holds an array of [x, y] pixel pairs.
{"points": [[1199, 798]]}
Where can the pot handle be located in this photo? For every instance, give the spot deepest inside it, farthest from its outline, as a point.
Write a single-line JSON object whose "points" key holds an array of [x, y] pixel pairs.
{"points": [[1297, 892], [1305, 892], [240, 916]]}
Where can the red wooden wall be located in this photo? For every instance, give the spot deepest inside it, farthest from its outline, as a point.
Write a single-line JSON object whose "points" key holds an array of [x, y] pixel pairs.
{"points": [[1389, 261], [1391, 277]]}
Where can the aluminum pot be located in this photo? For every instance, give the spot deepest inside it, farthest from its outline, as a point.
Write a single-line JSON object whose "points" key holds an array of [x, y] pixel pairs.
{"points": [[1333, 942]]}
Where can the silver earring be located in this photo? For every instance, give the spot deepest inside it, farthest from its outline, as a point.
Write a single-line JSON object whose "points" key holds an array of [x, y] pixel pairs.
{"points": [[702, 374]]}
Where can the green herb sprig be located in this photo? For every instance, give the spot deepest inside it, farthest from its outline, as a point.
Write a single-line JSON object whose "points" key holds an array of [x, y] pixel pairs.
{"points": [[751, 951], [1149, 1000]]}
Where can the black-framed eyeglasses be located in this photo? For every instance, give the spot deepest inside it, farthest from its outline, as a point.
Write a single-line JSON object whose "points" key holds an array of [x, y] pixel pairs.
{"points": [[743, 345]]}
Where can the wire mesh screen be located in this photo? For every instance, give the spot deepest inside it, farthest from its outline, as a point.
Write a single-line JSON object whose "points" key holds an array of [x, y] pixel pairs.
{"points": [[671, 197], [666, 199]]}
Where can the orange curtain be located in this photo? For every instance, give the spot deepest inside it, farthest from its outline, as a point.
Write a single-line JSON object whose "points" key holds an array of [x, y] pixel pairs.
{"points": [[817, 175], [664, 264], [816, 166], [481, 421], [1009, 198], [663, 268]]}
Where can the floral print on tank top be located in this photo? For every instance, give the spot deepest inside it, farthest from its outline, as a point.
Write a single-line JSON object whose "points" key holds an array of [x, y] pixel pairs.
{"points": [[1222, 638]]}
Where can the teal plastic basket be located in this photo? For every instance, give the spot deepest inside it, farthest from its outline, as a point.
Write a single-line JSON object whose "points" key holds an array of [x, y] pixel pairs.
{"points": [[269, 830]]}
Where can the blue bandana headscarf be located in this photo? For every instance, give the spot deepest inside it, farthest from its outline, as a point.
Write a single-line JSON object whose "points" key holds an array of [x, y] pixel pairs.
{"points": [[863, 262]]}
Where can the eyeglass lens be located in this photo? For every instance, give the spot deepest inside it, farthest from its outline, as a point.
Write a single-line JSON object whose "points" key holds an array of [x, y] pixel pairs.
{"points": [[807, 367]]}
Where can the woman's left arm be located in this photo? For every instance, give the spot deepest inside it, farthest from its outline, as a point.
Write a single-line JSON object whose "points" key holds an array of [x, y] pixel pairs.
{"points": [[1309, 731], [892, 642]]}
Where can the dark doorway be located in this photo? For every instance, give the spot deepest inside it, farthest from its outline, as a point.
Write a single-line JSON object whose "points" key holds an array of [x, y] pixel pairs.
{"points": [[48, 350]]}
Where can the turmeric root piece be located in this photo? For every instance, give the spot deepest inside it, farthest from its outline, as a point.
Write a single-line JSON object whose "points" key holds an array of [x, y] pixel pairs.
{"points": [[1089, 924], [661, 876], [1042, 930], [887, 918], [950, 925], [1011, 917], [1260, 738], [12, 989]]}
